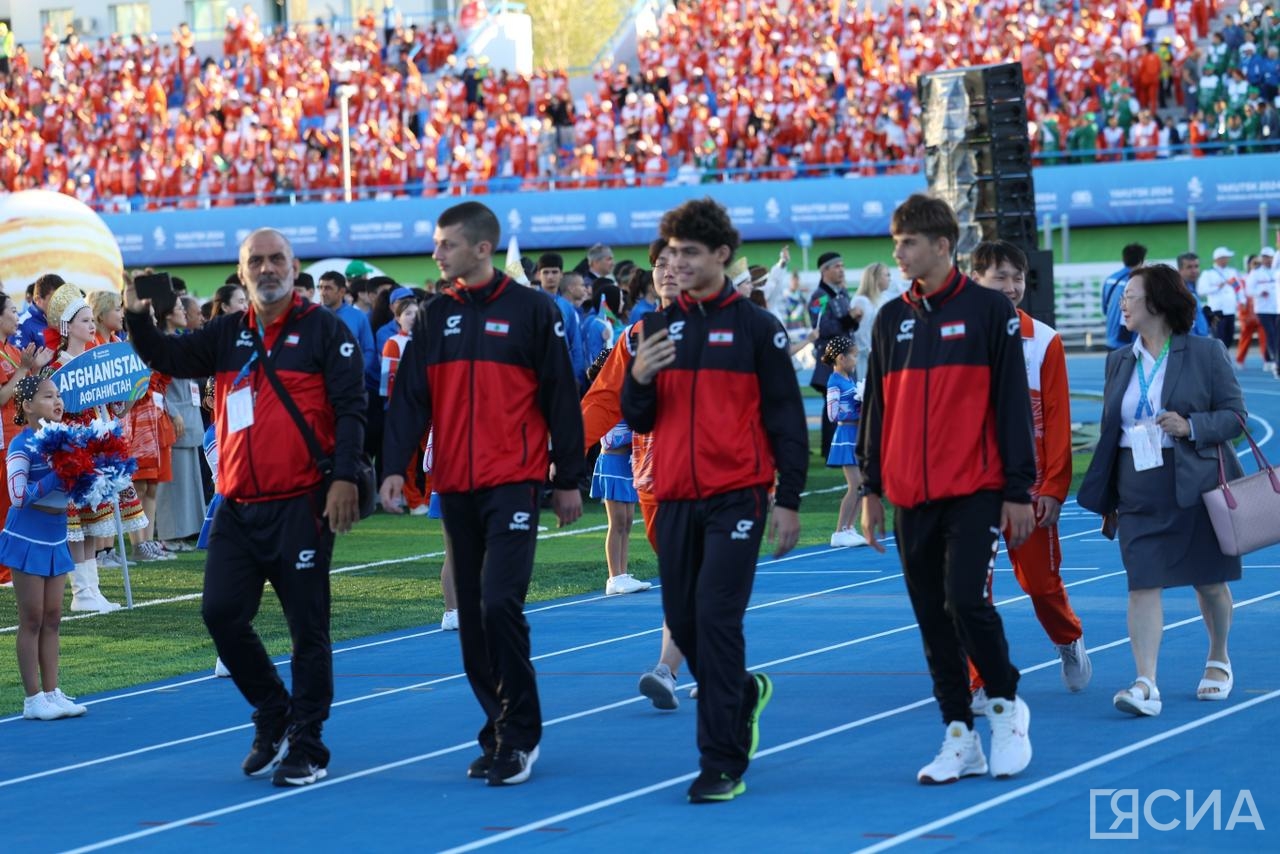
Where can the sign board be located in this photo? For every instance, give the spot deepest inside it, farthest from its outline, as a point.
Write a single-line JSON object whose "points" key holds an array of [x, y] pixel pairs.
{"points": [[111, 373]]}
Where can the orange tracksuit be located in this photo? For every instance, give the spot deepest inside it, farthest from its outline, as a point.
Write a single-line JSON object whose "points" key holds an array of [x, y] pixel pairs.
{"points": [[1038, 561], [602, 408]]}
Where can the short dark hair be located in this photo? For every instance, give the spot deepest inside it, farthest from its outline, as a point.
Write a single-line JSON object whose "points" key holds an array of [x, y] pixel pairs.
{"points": [[990, 254], [233, 279], [704, 221], [551, 261], [927, 215], [1167, 296], [478, 223], [179, 285], [1133, 255], [335, 277], [304, 281], [1187, 256], [655, 249], [47, 284]]}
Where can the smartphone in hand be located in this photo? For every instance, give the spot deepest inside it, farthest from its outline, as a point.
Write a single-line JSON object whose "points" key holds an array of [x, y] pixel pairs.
{"points": [[654, 322], [154, 286]]}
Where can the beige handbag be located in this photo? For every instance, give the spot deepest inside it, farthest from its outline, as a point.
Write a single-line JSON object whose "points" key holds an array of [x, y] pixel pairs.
{"points": [[1245, 512]]}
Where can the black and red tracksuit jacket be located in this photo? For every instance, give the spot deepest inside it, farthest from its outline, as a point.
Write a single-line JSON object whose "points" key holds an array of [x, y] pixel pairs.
{"points": [[319, 364], [945, 410], [488, 370], [727, 414]]}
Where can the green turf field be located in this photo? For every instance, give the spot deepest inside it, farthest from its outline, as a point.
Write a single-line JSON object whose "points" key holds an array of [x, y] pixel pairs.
{"points": [[387, 578]]}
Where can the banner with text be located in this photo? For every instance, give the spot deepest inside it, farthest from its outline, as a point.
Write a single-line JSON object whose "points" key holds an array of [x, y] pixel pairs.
{"points": [[109, 373], [1104, 194]]}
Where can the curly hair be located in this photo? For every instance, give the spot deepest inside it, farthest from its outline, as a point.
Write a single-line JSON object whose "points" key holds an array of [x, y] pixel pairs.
{"points": [[836, 348], [704, 221]]}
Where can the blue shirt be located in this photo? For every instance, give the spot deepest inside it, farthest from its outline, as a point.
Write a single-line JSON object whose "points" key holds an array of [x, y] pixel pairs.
{"points": [[358, 322], [1112, 290], [1199, 326], [572, 337], [843, 405], [32, 329]]}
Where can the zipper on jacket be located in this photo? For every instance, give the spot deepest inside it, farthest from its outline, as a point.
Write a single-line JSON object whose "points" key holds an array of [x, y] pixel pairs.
{"points": [[524, 443], [924, 443]]}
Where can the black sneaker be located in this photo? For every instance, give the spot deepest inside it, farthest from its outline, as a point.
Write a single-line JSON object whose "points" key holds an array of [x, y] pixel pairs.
{"points": [[298, 769], [764, 693], [479, 767], [511, 766], [270, 744], [713, 786]]}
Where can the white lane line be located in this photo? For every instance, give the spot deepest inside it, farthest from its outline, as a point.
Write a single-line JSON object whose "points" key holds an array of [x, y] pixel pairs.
{"points": [[593, 807], [1065, 774], [414, 687]]}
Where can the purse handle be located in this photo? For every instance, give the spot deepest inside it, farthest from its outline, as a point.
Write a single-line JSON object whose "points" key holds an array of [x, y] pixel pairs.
{"points": [[1263, 465]]}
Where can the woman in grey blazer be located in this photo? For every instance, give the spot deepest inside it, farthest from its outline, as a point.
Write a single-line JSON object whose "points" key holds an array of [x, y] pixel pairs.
{"points": [[1170, 401]]}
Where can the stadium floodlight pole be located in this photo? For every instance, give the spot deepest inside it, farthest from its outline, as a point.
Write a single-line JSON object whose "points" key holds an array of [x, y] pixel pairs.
{"points": [[345, 92]]}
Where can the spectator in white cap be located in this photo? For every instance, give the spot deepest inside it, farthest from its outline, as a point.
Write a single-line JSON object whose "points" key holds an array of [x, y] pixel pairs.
{"points": [[1260, 290], [1222, 289]]}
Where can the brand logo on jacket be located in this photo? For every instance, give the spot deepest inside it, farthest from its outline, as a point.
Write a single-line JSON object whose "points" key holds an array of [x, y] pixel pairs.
{"points": [[306, 559], [347, 350], [676, 331], [742, 530], [245, 339], [559, 328], [906, 330], [519, 521], [453, 326], [1013, 327], [781, 340]]}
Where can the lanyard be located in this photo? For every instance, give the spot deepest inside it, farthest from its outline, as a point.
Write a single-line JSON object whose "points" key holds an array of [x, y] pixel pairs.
{"points": [[253, 357], [1144, 385]]}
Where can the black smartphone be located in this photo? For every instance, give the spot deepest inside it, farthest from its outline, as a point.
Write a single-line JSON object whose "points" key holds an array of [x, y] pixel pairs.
{"points": [[154, 286], [1111, 525], [654, 322]]}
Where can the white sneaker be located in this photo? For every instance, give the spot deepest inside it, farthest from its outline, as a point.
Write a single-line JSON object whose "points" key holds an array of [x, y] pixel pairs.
{"points": [[847, 539], [92, 600], [624, 583], [62, 701], [1077, 669], [960, 756], [978, 703], [420, 510], [659, 685], [1010, 735], [38, 707], [220, 670], [449, 622], [109, 557]]}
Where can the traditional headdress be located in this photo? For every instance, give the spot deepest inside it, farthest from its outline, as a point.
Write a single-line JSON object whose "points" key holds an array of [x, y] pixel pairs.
{"points": [[63, 305]]}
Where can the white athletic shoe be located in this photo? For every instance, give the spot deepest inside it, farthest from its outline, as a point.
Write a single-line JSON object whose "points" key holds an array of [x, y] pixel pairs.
{"points": [[847, 539], [978, 702], [1010, 735], [71, 708], [38, 707], [1077, 670], [220, 670], [659, 685], [624, 583], [960, 756], [449, 622]]}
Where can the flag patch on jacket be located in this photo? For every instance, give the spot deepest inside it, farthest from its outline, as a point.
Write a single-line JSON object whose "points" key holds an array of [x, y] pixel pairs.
{"points": [[722, 337], [291, 340], [496, 327], [951, 331]]}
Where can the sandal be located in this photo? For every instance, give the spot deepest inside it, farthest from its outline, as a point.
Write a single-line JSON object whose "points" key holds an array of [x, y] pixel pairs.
{"points": [[1216, 689], [1136, 701]]}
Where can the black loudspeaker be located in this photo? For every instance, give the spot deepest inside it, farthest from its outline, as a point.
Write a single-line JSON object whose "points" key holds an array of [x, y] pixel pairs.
{"points": [[978, 152], [1038, 301]]}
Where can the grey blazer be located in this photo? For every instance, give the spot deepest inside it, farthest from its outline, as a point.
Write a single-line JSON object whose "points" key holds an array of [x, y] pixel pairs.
{"points": [[1200, 385]]}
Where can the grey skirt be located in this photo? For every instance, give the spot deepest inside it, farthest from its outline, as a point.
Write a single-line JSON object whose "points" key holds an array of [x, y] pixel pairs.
{"points": [[1162, 544]]}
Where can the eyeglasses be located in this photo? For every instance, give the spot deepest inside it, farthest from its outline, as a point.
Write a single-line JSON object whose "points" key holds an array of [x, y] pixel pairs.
{"points": [[1132, 297]]}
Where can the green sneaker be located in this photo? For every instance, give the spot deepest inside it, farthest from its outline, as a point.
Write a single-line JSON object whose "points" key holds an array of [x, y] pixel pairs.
{"points": [[714, 786], [764, 693]]}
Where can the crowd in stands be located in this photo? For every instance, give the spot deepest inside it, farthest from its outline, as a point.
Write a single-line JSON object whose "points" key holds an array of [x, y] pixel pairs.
{"points": [[725, 91]]}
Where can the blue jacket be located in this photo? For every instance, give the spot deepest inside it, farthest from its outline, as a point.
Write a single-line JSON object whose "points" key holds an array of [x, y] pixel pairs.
{"points": [[32, 329], [573, 338], [1112, 290], [358, 322]]}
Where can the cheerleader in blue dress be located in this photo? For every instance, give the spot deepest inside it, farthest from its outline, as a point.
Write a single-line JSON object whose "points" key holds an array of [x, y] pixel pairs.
{"points": [[34, 545], [611, 481], [844, 408]]}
